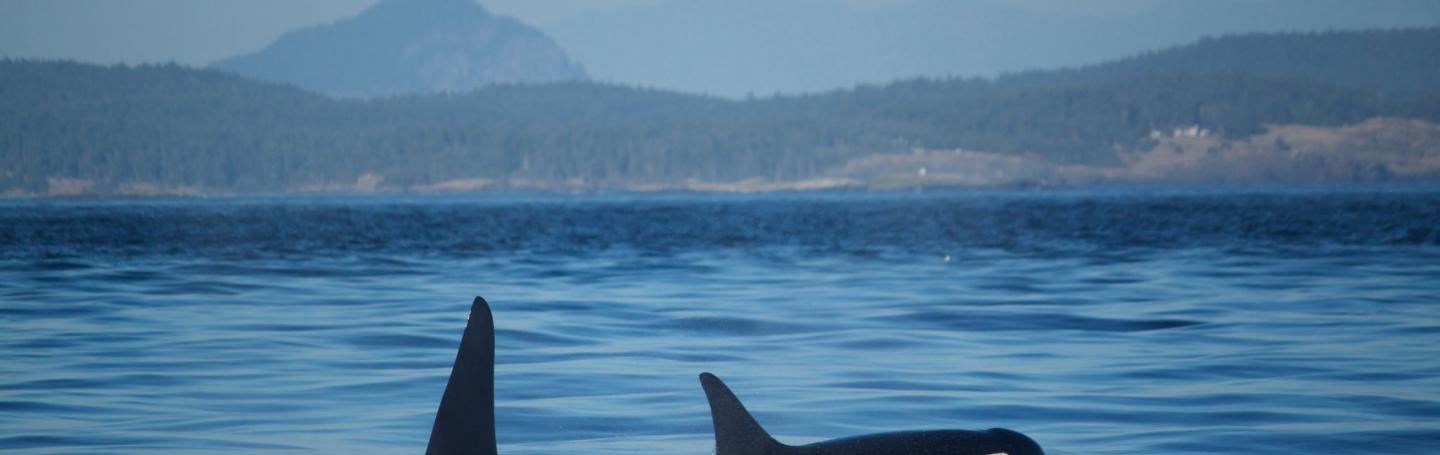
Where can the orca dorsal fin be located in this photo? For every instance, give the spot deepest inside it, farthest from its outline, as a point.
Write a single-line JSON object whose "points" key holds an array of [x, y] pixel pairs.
{"points": [[736, 431], [465, 422]]}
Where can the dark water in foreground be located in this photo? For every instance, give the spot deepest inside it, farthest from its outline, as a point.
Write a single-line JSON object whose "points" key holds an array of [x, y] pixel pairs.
{"points": [[1097, 322]]}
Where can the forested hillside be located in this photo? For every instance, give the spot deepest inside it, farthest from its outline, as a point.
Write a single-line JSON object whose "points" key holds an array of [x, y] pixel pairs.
{"points": [[68, 128], [1403, 62]]}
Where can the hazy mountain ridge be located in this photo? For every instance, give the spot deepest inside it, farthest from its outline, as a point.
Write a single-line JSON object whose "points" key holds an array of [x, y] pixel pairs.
{"points": [[81, 129], [1401, 62], [803, 46], [410, 47]]}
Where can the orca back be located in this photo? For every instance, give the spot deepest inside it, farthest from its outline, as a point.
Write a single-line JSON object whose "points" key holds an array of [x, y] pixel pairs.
{"points": [[465, 422], [995, 441], [737, 433]]}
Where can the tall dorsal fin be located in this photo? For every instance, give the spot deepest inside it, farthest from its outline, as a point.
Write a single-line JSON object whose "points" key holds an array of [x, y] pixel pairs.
{"points": [[736, 431], [465, 423]]}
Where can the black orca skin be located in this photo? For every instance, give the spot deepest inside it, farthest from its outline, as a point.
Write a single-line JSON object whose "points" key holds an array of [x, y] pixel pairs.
{"points": [[465, 422], [737, 433]]}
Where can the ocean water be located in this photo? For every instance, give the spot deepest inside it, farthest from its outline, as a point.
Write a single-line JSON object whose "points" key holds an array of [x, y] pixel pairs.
{"points": [[1101, 321]]}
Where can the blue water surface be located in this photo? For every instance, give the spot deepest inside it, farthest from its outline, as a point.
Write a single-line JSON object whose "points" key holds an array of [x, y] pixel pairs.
{"points": [[1101, 321]]}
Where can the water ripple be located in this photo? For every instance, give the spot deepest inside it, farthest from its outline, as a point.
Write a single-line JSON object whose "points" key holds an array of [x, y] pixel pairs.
{"points": [[1097, 323]]}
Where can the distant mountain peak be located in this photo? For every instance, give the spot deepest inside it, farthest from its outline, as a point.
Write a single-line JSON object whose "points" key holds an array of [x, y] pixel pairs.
{"points": [[407, 47]]}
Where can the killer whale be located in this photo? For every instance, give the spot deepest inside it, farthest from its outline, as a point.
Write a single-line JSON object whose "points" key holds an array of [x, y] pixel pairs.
{"points": [[465, 421], [738, 433]]}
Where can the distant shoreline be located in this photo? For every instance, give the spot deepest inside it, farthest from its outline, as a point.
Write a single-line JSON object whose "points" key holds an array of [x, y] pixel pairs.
{"points": [[1429, 185], [1277, 108], [1373, 151]]}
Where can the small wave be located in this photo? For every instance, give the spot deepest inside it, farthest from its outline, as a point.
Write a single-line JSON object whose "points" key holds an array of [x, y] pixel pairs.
{"points": [[391, 340], [733, 326], [994, 321]]}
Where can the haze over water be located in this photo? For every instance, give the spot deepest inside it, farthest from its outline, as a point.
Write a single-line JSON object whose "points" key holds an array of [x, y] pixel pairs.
{"points": [[1096, 321]]}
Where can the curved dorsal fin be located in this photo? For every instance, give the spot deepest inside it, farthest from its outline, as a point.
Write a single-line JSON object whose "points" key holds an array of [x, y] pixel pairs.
{"points": [[736, 431], [465, 422]]}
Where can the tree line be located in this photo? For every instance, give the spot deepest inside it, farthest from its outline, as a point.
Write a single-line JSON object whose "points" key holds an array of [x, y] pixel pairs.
{"points": [[183, 127]]}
